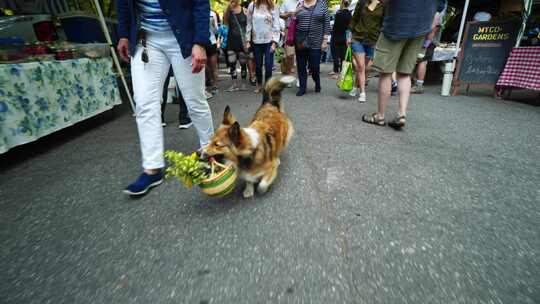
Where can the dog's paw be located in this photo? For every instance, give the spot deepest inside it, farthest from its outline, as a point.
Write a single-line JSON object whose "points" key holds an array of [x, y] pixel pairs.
{"points": [[248, 192], [263, 187]]}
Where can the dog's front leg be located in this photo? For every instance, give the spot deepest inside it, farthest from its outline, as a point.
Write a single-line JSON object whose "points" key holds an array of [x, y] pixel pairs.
{"points": [[249, 190], [268, 178]]}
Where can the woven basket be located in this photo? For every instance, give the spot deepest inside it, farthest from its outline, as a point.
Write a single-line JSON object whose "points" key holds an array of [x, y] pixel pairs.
{"points": [[219, 184]]}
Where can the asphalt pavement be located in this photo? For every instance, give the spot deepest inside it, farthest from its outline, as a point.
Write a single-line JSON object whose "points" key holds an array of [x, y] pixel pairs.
{"points": [[446, 211]]}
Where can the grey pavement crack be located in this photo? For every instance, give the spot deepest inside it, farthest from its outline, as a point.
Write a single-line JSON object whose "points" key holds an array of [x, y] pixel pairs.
{"points": [[332, 220]]}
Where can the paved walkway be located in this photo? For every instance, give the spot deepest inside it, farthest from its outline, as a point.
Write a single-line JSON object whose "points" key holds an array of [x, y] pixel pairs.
{"points": [[447, 211]]}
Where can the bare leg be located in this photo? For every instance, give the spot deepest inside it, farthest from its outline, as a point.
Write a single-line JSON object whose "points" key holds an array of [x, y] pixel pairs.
{"points": [[214, 69], [360, 66], [368, 67], [404, 90], [249, 190], [385, 85], [421, 70]]}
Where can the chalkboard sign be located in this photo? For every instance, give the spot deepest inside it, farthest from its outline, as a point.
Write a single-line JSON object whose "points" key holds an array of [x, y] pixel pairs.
{"points": [[486, 47]]}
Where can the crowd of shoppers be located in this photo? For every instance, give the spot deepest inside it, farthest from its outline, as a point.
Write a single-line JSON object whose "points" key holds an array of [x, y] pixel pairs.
{"points": [[161, 38]]}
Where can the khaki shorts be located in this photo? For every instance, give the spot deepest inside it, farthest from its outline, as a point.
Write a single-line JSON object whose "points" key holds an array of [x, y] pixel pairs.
{"points": [[396, 55], [289, 50]]}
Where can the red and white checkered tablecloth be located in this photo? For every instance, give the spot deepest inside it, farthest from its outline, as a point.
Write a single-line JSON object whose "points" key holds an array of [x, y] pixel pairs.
{"points": [[522, 69]]}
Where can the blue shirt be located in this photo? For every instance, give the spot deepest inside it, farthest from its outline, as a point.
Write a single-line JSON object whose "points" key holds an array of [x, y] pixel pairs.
{"points": [[408, 19], [188, 20], [151, 16]]}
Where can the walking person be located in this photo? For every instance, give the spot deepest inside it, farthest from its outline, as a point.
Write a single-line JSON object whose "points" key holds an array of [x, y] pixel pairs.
{"points": [[184, 122], [262, 34], [312, 30], [212, 55], [155, 34], [365, 28], [404, 27], [339, 36], [236, 20], [286, 12], [428, 47]]}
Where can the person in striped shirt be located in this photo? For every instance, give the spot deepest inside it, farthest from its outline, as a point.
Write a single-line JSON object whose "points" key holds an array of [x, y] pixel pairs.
{"points": [[312, 31]]}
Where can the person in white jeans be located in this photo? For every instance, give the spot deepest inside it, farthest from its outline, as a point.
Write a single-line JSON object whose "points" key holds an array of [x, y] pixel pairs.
{"points": [[155, 51], [148, 79]]}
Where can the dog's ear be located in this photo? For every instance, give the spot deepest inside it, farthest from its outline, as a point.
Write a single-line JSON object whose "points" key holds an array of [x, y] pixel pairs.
{"points": [[235, 133], [228, 118]]}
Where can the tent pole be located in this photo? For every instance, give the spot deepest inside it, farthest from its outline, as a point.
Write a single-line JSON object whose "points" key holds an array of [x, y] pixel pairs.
{"points": [[113, 53], [450, 68], [461, 27], [527, 7]]}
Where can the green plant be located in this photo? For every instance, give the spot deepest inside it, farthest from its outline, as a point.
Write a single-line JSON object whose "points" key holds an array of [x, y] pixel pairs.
{"points": [[189, 170]]}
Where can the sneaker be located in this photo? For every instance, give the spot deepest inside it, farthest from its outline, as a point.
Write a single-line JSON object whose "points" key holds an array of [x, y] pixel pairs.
{"points": [[144, 183], [353, 92], [417, 89], [163, 124], [362, 97], [232, 89], [185, 125]]}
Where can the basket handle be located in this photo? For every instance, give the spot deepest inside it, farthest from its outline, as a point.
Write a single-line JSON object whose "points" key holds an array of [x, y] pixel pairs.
{"points": [[213, 164]]}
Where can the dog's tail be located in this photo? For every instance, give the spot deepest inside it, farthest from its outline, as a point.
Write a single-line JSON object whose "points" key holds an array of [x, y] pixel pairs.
{"points": [[273, 88]]}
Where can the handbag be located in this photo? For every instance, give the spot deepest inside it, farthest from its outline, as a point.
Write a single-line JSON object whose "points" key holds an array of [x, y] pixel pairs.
{"points": [[303, 43], [345, 79], [291, 32], [242, 36]]}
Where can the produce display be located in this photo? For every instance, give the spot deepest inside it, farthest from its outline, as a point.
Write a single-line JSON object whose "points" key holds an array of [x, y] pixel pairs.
{"points": [[44, 51]]}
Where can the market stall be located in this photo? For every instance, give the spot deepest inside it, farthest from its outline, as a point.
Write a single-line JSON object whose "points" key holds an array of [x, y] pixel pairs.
{"points": [[48, 83], [486, 35], [41, 97], [522, 69]]}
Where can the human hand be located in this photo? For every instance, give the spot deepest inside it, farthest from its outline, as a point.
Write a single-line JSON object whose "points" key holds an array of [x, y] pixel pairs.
{"points": [[273, 47], [198, 58], [324, 45], [123, 49], [248, 45], [349, 41]]}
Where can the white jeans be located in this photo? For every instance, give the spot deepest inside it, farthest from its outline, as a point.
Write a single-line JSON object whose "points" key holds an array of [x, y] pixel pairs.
{"points": [[148, 80]]}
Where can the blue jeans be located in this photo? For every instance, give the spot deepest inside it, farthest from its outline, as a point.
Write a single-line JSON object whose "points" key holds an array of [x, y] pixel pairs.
{"points": [[308, 58], [362, 48], [260, 51]]}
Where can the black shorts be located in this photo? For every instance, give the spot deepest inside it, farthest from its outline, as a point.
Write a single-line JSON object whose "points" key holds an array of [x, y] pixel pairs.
{"points": [[211, 50]]}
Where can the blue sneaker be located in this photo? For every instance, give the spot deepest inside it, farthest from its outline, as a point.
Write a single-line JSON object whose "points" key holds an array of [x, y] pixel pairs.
{"points": [[144, 183]]}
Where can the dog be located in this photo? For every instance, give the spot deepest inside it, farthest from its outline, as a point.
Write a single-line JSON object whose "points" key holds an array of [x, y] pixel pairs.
{"points": [[255, 150]]}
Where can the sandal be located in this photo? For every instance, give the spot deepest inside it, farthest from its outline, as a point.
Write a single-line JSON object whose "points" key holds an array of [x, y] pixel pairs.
{"points": [[373, 119], [398, 122]]}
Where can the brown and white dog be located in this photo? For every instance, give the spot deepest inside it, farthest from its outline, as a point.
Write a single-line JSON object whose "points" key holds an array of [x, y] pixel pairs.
{"points": [[255, 149]]}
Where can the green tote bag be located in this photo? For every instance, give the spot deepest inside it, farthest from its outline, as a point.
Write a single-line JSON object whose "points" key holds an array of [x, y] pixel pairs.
{"points": [[345, 80]]}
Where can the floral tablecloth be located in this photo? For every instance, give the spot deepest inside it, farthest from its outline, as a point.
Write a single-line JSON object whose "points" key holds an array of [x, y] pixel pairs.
{"points": [[38, 98]]}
